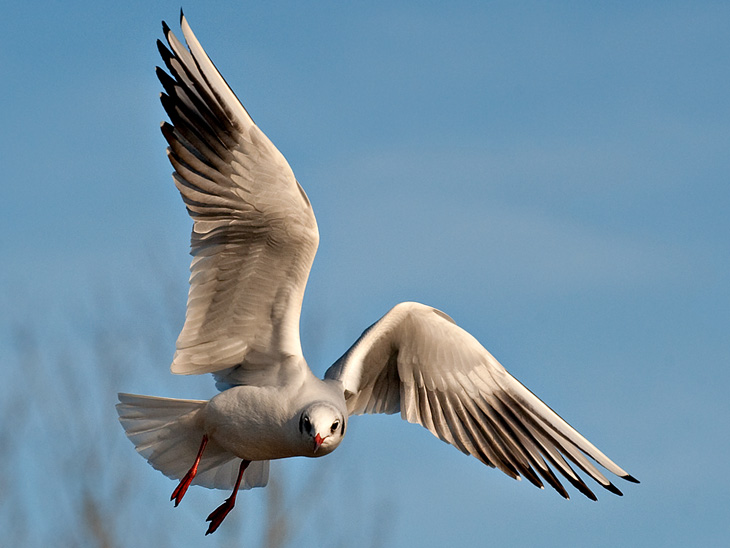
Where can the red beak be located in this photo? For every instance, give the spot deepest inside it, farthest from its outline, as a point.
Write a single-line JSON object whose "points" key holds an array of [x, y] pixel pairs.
{"points": [[317, 442]]}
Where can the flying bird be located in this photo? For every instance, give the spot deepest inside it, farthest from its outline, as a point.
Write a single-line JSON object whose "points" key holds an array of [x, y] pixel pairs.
{"points": [[254, 239]]}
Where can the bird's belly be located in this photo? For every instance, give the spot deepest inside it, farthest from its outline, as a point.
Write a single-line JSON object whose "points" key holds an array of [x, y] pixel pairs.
{"points": [[251, 422]]}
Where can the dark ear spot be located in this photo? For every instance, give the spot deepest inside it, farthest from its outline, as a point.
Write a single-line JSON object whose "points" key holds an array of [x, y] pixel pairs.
{"points": [[301, 423]]}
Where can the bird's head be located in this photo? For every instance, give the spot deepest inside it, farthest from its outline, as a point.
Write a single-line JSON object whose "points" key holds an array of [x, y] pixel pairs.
{"points": [[322, 427]]}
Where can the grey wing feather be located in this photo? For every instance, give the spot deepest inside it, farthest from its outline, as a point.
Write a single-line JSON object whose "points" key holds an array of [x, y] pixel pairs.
{"points": [[416, 360], [254, 232]]}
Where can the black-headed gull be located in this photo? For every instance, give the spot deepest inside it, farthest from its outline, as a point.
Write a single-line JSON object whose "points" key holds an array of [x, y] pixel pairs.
{"points": [[253, 241]]}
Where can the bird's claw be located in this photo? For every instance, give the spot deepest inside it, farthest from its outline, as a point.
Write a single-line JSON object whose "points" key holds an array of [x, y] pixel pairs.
{"points": [[217, 516], [182, 488]]}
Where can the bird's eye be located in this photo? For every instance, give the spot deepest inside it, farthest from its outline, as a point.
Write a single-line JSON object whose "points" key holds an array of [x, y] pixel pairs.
{"points": [[335, 426], [307, 424]]}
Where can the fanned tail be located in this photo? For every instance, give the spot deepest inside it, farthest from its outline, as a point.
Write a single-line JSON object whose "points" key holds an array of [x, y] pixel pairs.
{"points": [[167, 432]]}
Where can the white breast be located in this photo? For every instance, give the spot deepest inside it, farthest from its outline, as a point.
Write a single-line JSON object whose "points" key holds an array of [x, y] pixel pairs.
{"points": [[253, 423]]}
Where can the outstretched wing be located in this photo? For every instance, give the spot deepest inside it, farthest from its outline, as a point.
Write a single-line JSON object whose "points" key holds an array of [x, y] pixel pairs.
{"points": [[416, 360], [254, 233]]}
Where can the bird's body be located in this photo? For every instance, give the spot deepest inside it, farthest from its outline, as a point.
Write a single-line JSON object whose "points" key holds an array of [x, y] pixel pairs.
{"points": [[262, 422], [253, 241]]}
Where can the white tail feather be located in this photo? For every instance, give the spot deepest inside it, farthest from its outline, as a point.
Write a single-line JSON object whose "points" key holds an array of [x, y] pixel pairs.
{"points": [[167, 432]]}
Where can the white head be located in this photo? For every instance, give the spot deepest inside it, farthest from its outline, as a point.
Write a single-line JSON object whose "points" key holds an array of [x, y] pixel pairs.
{"points": [[322, 428]]}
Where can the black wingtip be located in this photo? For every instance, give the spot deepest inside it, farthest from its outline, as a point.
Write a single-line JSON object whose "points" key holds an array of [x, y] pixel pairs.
{"points": [[167, 81], [165, 53], [167, 130], [615, 490], [165, 28], [632, 479], [164, 78], [182, 15], [579, 484]]}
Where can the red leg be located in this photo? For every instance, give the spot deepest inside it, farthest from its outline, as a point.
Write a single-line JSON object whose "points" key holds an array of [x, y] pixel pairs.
{"points": [[217, 516], [182, 487]]}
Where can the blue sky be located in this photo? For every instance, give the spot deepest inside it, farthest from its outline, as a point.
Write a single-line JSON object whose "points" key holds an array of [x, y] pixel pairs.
{"points": [[553, 175]]}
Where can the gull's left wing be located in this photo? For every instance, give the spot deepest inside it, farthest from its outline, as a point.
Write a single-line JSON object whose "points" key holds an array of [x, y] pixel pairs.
{"points": [[416, 360], [254, 233]]}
